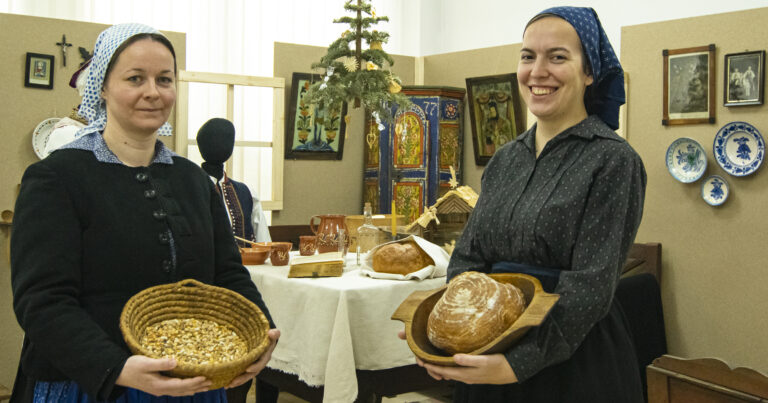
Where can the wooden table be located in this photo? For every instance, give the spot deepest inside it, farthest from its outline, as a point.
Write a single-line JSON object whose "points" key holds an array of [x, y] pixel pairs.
{"points": [[337, 339]]}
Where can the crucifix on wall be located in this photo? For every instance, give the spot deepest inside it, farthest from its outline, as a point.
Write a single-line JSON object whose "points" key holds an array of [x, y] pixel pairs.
{"points": [[64, 45]]}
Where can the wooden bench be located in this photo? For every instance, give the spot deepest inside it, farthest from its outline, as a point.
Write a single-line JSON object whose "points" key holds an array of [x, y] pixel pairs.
{"points": [[705, 380]]}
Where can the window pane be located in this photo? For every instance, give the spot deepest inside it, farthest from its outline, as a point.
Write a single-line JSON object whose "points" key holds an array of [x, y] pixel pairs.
{"points": [[253, 113], [253, 166], [205, 101]]}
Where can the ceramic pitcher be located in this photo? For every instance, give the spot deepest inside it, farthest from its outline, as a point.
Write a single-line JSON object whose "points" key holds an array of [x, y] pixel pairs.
{"points": [[327, 231]]}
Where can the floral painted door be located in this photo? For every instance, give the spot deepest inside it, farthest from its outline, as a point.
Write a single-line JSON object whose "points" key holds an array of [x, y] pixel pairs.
{"points": [[408, 160]]}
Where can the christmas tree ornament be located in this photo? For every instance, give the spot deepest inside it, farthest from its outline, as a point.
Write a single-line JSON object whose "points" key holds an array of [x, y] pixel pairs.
{"points": [[357, 74]]}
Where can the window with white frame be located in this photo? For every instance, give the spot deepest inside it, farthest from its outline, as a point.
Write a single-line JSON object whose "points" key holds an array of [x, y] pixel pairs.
{"points": [[255, 106]]}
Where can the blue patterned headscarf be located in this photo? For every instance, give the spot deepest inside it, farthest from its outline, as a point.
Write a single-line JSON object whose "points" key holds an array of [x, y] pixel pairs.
{"points": [[92, 106], [607, 92]]}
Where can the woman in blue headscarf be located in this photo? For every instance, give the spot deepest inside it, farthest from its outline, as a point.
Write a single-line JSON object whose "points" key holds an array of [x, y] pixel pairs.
{"points": [[563, 203], [106, 216]]}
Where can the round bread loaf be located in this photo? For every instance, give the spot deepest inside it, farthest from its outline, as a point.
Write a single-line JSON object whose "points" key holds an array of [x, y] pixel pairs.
{"points": [[400, 258], [473, 311]]}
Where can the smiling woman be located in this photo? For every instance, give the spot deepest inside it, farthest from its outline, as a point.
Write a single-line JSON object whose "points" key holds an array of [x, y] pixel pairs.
{"points": [[569, 192], [110, 214], [139, 92]]}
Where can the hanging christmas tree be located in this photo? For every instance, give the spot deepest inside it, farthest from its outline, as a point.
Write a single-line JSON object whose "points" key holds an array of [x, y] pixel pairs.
{"points": [[353, 74]]}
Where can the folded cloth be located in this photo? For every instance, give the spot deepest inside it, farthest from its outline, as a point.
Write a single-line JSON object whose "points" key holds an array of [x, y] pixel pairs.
{"points": [[437, 253]]}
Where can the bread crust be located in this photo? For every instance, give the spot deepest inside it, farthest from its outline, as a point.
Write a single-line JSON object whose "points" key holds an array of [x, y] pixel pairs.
{"points": [[472, 312], [400, 258]]}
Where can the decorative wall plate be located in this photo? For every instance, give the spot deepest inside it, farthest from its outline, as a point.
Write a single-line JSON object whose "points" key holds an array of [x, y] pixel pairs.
{"points": [[714, 190], [739, 148], [686, 160], [40, 136]]}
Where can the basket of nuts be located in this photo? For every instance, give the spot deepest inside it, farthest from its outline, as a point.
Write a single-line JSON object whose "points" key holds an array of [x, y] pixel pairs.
{"points": [[210, 331]]}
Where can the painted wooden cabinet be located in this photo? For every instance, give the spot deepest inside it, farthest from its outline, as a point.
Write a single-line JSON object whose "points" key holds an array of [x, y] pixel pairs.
{"points": [[409, 159]]}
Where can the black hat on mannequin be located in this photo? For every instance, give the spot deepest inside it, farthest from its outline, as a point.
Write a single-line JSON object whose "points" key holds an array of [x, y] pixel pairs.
{"points": [[216, 139]]}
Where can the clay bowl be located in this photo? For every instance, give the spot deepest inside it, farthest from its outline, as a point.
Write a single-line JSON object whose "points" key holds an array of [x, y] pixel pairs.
{"points": [[279, 255], [255, 255], [414, 312]]}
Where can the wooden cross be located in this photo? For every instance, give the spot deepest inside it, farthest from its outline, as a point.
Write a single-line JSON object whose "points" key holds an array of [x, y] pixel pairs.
{"points": [[64, 45]]}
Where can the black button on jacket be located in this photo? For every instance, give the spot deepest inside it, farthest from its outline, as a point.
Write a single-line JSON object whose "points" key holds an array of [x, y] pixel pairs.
{"points": [[85, 239]]}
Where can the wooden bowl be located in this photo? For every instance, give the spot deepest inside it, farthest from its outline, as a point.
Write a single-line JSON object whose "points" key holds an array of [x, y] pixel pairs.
{"points": [[255, 255], [414, 312]]}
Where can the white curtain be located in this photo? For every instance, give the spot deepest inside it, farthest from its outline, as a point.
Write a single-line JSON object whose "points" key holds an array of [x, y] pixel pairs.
{"points": [[235, 37], [231, 36]]}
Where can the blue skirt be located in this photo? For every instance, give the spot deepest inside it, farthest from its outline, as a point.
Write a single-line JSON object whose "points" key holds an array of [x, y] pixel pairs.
{"points": [[70, 392]]}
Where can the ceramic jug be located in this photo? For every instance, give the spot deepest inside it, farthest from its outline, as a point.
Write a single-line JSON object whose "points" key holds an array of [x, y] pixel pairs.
{"points": [[327, 232]]}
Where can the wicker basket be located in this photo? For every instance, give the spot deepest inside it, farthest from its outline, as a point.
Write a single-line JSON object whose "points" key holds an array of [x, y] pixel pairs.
{"points": [[193, 299]]}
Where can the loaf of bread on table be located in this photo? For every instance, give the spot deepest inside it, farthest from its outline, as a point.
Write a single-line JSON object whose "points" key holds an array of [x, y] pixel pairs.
{"points": [[473, 311], [400, 258]]}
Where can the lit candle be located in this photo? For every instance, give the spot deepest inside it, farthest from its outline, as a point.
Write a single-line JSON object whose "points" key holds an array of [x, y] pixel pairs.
{"points": [[394, 220]]}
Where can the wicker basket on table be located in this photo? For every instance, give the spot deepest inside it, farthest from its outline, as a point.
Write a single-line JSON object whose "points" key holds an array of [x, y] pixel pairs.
{"points": [[191, 299]]}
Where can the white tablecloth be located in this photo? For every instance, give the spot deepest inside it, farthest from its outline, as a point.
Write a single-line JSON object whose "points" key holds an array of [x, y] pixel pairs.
{"points": [[332, 326]]}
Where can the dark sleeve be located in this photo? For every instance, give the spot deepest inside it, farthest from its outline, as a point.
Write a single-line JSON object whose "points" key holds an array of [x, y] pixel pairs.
{"points": [[46, 254], [608, 226], [230, 272]]}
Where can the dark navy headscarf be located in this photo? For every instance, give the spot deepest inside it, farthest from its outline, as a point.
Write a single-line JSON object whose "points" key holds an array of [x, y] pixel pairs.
{"points": [[606, 94]]}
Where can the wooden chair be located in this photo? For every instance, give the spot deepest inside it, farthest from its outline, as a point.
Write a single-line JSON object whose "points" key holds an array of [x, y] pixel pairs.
{"points": [[706, 380], [288, 233], [644, 258], [639, 294]]}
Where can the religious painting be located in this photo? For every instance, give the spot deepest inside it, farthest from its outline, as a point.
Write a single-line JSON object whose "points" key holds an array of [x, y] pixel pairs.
{"points": [[689, 85], [311, 131], [449, 146], [744, 78], [496, 113], [408, 199], [409, 141], [39, 71]]}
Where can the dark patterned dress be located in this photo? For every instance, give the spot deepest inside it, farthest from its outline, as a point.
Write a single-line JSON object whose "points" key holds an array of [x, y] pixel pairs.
{"points": [[575, 210]]}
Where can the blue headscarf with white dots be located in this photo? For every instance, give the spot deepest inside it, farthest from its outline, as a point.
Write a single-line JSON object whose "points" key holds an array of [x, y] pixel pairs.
{"points": [[607, 94], [92, 106]]}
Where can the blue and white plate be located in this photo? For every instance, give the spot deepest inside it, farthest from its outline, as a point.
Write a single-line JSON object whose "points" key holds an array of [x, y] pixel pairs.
{"points": [[739, 148], [714, 190], [686, 160]]}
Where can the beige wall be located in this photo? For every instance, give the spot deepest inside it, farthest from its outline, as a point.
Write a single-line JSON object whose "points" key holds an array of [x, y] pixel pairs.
{"points": [[453, 69], [714, 277], [23, 108], [330, 186]]}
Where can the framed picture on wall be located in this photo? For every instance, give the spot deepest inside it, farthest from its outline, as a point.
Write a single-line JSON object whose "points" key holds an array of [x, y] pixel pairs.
{"points": [[39, 71], [744, 78], [496, 113], [689, 85], [312, 132]]}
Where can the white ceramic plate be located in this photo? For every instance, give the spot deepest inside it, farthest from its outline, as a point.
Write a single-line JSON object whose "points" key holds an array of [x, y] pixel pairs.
{"points": [[686, 160], [40, 136], [714, 190], [739, 148]]}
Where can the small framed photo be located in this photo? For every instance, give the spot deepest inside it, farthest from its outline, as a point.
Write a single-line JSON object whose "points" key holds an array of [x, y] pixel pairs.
{"points": [[744, 78], [39, 71], [496, 113], [689, 85], [311, 132]]}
